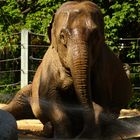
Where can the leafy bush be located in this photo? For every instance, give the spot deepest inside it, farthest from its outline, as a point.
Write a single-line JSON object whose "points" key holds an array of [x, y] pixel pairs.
{"points": [[135, 101], [121, 18], [7, 93]]}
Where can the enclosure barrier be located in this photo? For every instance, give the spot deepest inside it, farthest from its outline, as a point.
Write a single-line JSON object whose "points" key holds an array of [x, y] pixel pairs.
{"points": [[26, 57], [2, 72], [124, 45]]}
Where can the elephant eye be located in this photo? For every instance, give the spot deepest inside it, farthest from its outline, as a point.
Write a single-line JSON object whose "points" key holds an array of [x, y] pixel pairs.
{"points": [[63, 38], [94, 33]]}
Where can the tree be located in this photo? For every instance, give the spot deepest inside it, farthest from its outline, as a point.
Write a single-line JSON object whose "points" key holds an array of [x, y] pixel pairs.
{"points": [[34, 15], [122, 18]]}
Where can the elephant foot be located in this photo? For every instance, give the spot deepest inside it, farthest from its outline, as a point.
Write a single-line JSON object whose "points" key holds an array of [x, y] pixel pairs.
{"points": [[48, 130], [60, 133], [89, 133], [91, 128]]}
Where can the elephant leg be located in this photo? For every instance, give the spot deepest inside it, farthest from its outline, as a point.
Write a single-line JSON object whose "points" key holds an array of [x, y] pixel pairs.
{"points": [[60, 122], [74, 115], [20, 107], [48, 130], [53, 112]]}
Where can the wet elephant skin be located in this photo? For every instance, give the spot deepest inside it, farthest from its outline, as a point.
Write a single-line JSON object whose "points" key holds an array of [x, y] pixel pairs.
{"points": [[77, 72]]}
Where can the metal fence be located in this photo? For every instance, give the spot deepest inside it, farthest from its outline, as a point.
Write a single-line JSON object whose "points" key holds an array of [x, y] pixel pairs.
{"points": [[11, 72], [21, 67], [31, 53], [129, 52]]}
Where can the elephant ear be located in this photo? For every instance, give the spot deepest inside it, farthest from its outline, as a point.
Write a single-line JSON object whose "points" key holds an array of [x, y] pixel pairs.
{"points": [[50, 28]]}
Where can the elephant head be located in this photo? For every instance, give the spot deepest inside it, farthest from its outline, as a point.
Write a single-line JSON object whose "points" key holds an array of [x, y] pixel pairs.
{"points": [[77, 35]]}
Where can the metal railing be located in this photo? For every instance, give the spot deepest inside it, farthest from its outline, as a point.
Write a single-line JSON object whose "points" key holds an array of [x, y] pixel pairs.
{"points": [[27, 56], [126, 44]]}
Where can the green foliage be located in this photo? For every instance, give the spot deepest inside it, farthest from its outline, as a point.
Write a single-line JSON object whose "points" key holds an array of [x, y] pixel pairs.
{"points": [[9, 89], [135, 101], [7, 93], [122, 20], [33, 15]]}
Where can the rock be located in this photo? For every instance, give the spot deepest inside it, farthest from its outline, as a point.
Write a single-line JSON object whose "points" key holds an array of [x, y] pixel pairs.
{"points": [[8, 126], [129, 113]]}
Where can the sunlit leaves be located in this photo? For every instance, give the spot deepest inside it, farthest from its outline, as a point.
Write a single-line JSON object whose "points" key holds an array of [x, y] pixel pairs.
{"points": [[118, 23], [36, 16]]}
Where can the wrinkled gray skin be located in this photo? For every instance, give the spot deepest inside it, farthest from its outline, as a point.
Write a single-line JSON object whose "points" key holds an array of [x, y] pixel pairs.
{"points": [[8, 126], [77, 71]]}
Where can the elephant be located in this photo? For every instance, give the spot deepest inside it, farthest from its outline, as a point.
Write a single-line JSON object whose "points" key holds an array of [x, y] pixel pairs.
{"points": [[8, 126], [79, 77]]}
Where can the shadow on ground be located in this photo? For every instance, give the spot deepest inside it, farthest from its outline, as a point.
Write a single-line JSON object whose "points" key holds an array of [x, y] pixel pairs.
{"points": [[38, 135]]}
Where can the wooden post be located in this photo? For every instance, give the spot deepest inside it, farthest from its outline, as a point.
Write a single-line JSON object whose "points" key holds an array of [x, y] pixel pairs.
{"points": [[24, 57]]}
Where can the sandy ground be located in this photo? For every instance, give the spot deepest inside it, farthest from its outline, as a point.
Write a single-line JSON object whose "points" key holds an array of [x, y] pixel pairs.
{"points": [[32, 129]]}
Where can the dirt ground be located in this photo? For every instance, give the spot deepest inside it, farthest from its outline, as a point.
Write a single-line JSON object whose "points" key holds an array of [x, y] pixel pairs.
{"points": [[32, 129]]}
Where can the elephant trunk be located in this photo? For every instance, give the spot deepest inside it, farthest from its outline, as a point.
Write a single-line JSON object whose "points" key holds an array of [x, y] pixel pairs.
{"points": [[81, 75]]}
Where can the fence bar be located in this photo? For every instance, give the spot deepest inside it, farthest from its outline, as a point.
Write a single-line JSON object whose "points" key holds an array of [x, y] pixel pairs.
{"points": [[130, 39], [24, 57], [6, 85], [6, 60]]}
